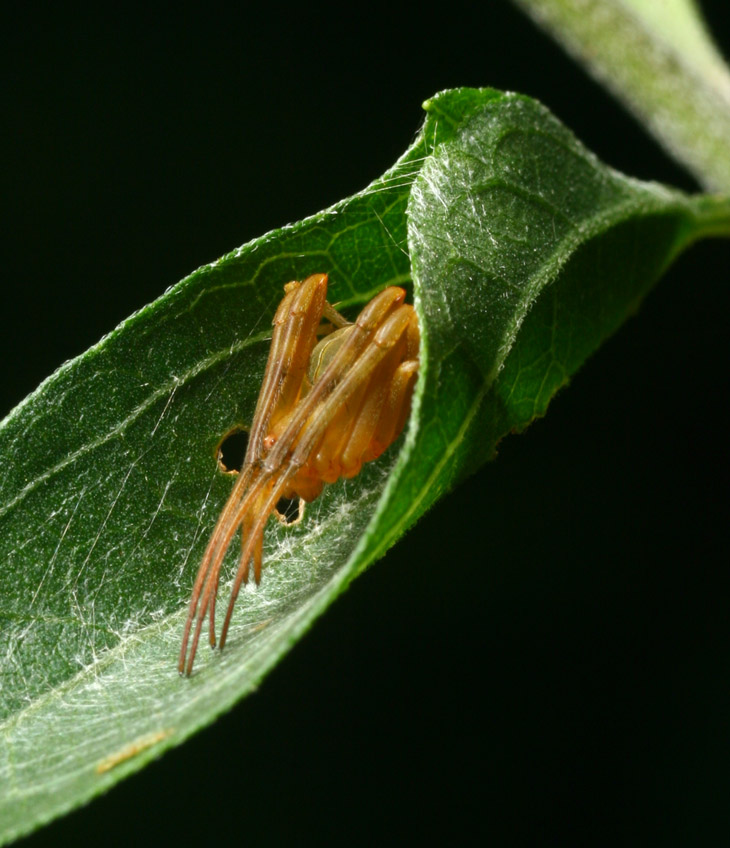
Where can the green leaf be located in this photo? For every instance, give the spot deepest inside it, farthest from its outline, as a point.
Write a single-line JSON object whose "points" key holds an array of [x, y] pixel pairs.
{"points": [[659, 60], [524, 252]]}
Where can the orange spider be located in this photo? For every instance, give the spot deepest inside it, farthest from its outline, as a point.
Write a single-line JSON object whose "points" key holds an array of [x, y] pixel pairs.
{"points": [[324, 409]]}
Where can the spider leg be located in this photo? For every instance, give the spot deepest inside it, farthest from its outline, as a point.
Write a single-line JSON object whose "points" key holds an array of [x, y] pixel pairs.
{"points": [[334, 317], [256, 556], [363, 442], [388, 335], [355, 408], [373, 417], [237, 493], [395, 409], [251, 501], [348, 457], [252, 548], [305, 435], [246, 524], [295, 334], [206, 582], [360, 335], [295, 326]]}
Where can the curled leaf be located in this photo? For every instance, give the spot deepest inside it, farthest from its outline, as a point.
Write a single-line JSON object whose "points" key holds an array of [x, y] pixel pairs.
{"points": [[524, 252]]}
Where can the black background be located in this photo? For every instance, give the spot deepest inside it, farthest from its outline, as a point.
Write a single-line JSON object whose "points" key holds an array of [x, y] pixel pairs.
{"points": [[544, 658]]}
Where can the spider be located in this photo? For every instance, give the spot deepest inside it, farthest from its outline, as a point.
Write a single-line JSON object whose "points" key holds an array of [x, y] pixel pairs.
{"points": [[324, 409]]}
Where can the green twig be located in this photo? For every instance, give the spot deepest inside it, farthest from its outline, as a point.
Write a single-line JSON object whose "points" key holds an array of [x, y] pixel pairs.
{"points": [[666, 70]]}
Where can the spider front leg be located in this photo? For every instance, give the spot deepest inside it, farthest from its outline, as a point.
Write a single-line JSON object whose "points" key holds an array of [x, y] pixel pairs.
{"points": [[296, 322], [308, 430], [378, 342], [373, 415]]}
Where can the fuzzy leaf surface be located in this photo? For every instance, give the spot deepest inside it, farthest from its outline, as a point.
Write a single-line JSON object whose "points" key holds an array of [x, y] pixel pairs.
{"points": [[524, 253]]}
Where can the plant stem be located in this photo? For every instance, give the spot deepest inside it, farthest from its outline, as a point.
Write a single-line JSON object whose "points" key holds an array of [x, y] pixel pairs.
{"points": [[670, 77], [712, 216]]}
